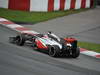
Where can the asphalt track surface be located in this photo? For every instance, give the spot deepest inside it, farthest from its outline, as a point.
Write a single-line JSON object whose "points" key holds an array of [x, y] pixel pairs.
{"points": [[16, 60]]}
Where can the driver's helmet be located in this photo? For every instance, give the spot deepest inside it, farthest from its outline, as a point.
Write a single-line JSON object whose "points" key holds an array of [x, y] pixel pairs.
{"points": [[49, 32]]}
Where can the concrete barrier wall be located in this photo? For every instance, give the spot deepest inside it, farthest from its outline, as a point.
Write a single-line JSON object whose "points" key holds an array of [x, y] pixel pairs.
{"points": [[46, 5], [38, 5], [4, 3], [19, 5]]}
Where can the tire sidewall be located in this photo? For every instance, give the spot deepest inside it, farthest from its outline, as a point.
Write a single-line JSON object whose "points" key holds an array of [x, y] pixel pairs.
{"points": [[20, 40], [54, 52], [76, 52]]}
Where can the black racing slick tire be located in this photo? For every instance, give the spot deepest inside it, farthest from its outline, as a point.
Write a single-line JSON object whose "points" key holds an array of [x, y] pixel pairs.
{"points": [[20, 40], [54, 51], [76, 53]]}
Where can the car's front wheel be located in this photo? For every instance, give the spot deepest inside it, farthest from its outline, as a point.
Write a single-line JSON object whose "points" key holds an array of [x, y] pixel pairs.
{"points": [[20, 40]]}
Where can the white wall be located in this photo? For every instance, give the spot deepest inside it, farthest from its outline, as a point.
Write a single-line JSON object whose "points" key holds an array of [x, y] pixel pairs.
{"points": [[4, 3], [38, 5], [78, 4], [56, 4], [67, 4], [87, 3]]}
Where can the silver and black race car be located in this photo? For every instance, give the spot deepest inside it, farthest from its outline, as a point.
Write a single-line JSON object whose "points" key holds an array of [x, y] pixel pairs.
{"points": [[54, 45]]}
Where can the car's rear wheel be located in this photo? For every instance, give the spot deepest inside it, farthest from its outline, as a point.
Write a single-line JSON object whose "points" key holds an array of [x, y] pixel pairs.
{"points": [[75, 53], [54, 51]]}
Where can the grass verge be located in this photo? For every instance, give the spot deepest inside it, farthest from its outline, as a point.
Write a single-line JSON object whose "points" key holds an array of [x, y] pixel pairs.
{"points": [[90, 46], [34, 17]]}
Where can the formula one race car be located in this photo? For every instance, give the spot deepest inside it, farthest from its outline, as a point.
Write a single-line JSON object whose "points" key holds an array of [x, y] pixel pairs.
{"points": [[49, 42]]}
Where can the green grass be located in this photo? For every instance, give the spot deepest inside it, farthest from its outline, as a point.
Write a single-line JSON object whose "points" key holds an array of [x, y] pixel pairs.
{"points": [[90, 46], [34, 17]]}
